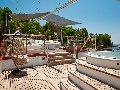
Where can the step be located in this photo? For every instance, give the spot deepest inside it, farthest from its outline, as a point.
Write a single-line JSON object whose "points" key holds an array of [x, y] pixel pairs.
{"points": [[114, 72], [89, 82], [56, 62], [62, 53], [110, 76], [59, 62], [68, 85], [51, 54], [51, 63], [70, 60], [68, 56], [51, 59], [55, 58], [58, 54]]}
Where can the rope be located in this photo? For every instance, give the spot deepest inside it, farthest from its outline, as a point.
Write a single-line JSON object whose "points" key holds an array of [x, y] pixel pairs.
{"points": [[85, 43], [59, 8]]}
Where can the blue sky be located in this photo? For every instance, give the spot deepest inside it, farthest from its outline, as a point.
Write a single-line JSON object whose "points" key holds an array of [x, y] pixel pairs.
{"points": [[98, 16]]}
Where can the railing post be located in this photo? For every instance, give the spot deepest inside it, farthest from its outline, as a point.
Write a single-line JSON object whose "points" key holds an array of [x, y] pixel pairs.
{"points": [[74, 51]]}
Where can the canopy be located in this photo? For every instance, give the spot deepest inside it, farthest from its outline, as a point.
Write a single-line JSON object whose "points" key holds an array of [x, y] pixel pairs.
{"points": [[59, 20], [18, 17], [50, 18]]}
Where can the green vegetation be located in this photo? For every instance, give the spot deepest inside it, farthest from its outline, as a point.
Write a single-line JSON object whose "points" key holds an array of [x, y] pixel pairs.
{"points": [[32, 26]]}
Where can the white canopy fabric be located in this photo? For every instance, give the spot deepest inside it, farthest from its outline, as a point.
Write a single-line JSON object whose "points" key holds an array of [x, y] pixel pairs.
{"points": [[18, 17], [59, 20], [50, 18], [118, 0]]}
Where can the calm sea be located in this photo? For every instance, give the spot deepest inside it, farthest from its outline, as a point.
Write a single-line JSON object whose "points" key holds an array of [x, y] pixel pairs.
{"points": [[117, 47], [115, 54]]}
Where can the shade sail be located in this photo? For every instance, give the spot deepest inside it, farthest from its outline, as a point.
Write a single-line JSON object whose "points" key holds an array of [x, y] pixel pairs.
{"points": [[18, 17], [59, 20], [50, 18], [118, 0]]}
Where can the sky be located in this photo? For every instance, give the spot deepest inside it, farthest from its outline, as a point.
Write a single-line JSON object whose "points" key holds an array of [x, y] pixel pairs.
{"points": [[97, 16]]}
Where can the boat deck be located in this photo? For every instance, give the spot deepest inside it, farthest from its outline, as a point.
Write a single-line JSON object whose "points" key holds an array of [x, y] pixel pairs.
{"points": [[46, 78], [114, 72], [35, 78]]}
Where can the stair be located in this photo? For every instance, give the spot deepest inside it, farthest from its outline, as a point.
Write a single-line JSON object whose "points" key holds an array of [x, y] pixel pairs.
{"points": [[59, 58], [87, 82], [109, 76], [69, 85]]}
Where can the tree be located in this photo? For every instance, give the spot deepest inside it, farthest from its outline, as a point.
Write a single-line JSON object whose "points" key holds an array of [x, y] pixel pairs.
{"points": [[78, 33], [70, 31], [91, 41], [91, 35], [82, 34], [12, 25], [48, 34], [3, 12], [103, 40], [32, 26], [29, 26], [45, 28]]}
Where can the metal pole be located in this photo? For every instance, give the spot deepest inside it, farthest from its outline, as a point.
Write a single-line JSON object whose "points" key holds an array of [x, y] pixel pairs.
{"points": [[6, 21], [67, 41], [61, 36], [5, 31], [84, 37], [95, 41], [76, 39], [9, 29], [26, 43], [44, 44], [74, 51]]}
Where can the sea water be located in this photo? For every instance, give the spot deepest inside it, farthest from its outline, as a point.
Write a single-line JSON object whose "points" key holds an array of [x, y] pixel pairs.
{"points": [[113, 54]]}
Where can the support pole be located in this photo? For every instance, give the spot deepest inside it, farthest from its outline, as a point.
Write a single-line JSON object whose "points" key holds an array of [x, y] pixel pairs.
{"points": [[67, 41], [74, 51], [61, 37], [95, 41], [44, 45], [26, 44], [6, 24]]}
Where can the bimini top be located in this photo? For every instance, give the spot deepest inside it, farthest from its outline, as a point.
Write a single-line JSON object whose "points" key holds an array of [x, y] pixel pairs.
{"points": [[50, 18]]}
